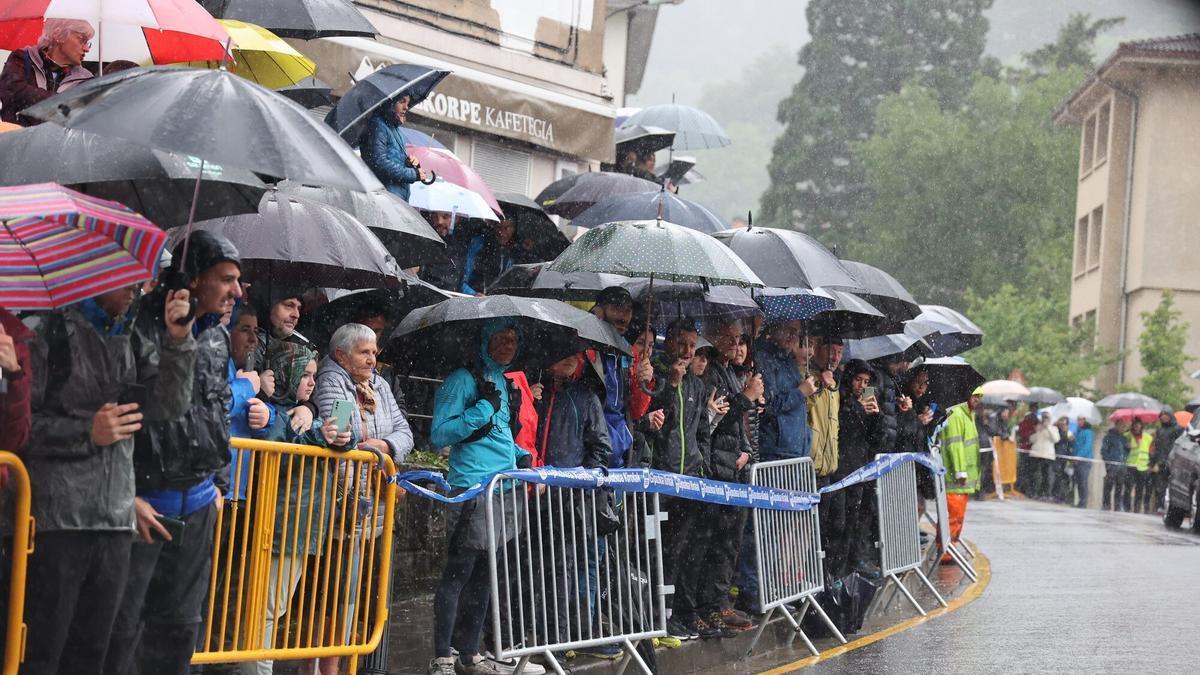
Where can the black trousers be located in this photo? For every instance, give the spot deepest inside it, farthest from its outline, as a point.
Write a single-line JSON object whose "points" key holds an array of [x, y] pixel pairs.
{"points": [[1114, 487], [721, 560], [74, 584], [686, 536], [833, 530], [160, 612]]}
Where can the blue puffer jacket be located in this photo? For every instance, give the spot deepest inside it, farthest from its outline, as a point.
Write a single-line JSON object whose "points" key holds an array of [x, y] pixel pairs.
{"points": [[458, 412], [383, 150], [783, 430]]}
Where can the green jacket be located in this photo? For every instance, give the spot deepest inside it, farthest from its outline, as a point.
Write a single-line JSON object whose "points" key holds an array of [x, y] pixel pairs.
{"points": [[959, 442], [1139, 451], [823, 407]]}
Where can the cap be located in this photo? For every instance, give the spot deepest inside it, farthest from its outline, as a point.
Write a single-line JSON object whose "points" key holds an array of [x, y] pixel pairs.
{"points": [[614, 295], [978, 391]]}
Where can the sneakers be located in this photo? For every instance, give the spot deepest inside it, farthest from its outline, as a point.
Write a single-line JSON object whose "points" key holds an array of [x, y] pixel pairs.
{"points": [[717, 623], [668, 642], [475, 665], [705, 631], [608, 652], [680, 630], [506, 666], [736, 619], [443, 665]]}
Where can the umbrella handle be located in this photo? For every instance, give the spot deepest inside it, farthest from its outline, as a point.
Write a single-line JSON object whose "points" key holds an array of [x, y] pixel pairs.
{"points": [[431, 179]]}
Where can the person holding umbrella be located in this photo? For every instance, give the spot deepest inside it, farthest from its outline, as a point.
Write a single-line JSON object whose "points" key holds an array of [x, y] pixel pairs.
{"points": [[384, 149], [472, 416], [959, 443], [1137, 471], [38, 72]]}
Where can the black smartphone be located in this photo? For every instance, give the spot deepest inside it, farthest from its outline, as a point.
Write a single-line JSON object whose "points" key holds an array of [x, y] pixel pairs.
{"points": [[133, 393], [175, 527]]}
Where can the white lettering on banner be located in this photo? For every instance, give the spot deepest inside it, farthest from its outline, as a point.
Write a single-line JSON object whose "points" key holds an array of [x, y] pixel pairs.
{"points": [[463, 110]]}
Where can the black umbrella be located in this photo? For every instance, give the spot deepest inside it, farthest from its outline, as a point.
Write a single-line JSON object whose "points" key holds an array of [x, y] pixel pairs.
{"points": [[643, 138], [883, 291], [951, 380], [309, 92], [850, 318], [406, 235], [382, 87], [447, 335], [648, 206], [955, 332], [391, 303], [304, 19], [909, 345], [1043, 395], [788, 259], [300, 243], [156, 184], [1192, 405], [1129, 400], [215, 116], [533, 224], [568, 197]]}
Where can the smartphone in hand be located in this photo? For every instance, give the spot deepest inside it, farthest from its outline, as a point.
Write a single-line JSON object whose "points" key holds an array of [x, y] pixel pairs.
{"points": [[342, 412], [133, 393], [868, 393]]}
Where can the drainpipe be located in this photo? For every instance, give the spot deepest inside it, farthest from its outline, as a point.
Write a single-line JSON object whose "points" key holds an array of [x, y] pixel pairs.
{"points": [[1133, 116]]}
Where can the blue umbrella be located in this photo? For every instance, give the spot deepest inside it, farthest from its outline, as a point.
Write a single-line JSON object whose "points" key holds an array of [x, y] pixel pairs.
{"points": [[908, 344], [955, 332], [648, 206], [382, 87], [694, 129], [792, 304]]}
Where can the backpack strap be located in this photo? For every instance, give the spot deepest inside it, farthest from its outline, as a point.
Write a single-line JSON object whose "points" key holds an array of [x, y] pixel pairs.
{"points": [[58, 359]]}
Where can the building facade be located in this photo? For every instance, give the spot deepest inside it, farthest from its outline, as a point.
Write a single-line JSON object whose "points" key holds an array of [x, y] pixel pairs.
{"points": [[1137, 209]]}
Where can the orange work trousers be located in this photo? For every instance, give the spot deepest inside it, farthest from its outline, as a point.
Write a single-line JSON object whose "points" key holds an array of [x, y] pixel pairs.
{"points": [[956, 504]]}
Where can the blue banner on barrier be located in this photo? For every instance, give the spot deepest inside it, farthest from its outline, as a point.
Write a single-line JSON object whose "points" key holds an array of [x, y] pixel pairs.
{"points": [[666, 483], [883, 465]]}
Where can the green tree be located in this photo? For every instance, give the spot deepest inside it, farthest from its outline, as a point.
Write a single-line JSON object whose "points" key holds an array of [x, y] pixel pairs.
{"points": [[1161, 344], [861, 51], [970, 197], [1075, 45]]}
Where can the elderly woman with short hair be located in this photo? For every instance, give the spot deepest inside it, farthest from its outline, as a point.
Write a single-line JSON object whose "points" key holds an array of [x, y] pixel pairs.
{"points": [[54, 64]]}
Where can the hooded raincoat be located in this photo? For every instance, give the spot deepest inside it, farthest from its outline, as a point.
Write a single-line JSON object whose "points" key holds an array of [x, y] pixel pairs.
{"points": [[384, 151], [783, 431], [960, 450]]}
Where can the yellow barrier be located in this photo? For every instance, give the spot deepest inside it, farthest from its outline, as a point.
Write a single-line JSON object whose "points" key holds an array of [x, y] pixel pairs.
{"points": [[1006, 460], [300, 564], [23, 528]]}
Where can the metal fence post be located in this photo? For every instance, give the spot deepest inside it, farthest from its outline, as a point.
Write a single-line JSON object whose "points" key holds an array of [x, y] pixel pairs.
{"points": [[899, 532]]}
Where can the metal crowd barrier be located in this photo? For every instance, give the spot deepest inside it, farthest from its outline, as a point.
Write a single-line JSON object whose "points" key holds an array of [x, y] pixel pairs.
{"points": [[899, 532], [787, 547], [945, 545], [22, 548], [300, 565], [557, 585]]}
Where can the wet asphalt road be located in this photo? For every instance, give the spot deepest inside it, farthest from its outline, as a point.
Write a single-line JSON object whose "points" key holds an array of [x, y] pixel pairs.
{"points": [[1071, 591]]}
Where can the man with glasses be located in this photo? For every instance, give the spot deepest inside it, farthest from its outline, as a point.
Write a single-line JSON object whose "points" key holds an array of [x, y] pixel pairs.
{"points": [[54, 64]]}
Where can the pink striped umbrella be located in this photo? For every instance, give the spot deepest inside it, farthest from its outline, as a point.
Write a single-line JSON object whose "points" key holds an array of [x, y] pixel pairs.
{"points": [[448, 166], [58, 247]]}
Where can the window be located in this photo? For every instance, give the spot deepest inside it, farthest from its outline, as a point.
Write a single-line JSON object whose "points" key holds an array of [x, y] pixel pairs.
{"points": [[504, 169], [1089, 145], [1102, 132], [1093, 237], [1088, 325], [1081, 244]]}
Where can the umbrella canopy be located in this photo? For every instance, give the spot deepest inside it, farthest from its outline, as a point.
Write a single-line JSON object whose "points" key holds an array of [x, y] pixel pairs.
{"points": [[309, 92], [1008, 390], [415, 138], [533, 224], [378, 90], [951, 380], [446, 335], [655, 249], [1193, 405], [851, 317], [1043, 395], [789, 259], [406, 235], [1129, 400], [908, 345], [568, 197], [261, 56], [955, 332], [450, 198], [213, 115], [792, 304], [142, 31], [1074, 407], [694, 129], [159, 185], [58, 247], [1184, 417], [998, 400], [643, 138], [392, 303], [449, 167], [301, 243], [1146, 415], [648, 206], [303, 19], [883, 291]]}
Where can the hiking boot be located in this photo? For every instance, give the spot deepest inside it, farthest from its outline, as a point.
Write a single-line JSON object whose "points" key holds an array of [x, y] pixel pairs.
{"points": [[443, 665], [475, 665], [510, 666], [717, 623], [736, 619], [609, 652], [680, 630], [667, 642], [701, 628]]}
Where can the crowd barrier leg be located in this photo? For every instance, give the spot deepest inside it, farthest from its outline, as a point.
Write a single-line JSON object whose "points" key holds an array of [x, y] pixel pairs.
{"points": [[22, 548], [900, 554]]}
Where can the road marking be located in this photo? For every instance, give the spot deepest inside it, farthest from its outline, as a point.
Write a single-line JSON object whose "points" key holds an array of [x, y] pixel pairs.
{"points": [[982, 566]]}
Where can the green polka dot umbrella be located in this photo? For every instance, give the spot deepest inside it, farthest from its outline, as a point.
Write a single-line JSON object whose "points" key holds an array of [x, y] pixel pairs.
{"points": [[655, 249]]}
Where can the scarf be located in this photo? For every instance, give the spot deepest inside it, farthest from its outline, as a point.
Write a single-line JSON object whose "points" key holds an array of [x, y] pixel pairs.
{"points": [[288, 361], [366, 396]]}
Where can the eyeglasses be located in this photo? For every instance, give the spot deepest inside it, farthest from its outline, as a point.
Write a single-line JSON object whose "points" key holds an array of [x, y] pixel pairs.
{"points": [[84, 39]]}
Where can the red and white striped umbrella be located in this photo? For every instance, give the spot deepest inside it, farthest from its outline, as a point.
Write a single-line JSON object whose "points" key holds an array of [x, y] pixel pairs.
{"points": [[143, 31]]}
